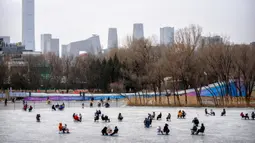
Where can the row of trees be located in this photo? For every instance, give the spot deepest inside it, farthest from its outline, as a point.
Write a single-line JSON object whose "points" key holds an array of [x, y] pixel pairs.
{"points": [[191, 62]]}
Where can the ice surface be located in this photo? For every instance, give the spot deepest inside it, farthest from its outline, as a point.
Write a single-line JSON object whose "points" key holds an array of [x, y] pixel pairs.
{"points": [[20, 126]]}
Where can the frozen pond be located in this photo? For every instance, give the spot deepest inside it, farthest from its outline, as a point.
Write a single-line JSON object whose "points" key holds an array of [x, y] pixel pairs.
{"points": [[20, 126]]}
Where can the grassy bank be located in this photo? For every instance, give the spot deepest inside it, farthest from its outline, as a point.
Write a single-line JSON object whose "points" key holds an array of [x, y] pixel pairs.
{"points": [[191, 102]]}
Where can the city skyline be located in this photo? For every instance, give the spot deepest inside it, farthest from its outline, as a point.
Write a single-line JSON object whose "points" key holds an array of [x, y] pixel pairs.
{"points": [[68, 26]]}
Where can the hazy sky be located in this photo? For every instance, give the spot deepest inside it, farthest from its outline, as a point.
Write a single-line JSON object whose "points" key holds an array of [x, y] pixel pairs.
{"points": [[73, 20]]}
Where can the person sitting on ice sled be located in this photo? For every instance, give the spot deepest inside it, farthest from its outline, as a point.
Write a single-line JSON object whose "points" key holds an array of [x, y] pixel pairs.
{"points": [[201, 130], [147, 122], [168, 117], [104, 131], [63, 128], [105, 118], [120, 117], [159, 131], [25, 107], [212, 113], [159, 116], [193, 130], [115, 131], [206, 112], [223, 113], [30, 108], [166, 129], [38, 116], [53, 107], [253, 115], [76, 117]]}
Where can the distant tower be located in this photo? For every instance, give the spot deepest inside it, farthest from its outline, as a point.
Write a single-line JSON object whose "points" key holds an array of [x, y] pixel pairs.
{"points": [[112, 38], [166, 35], [138, 31], [28, 24], [45, 43]]}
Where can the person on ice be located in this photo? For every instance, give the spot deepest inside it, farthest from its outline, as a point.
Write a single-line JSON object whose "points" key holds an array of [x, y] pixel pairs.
{"points": [[206, 112], [159, 131], [166, 129], [38, 116], [115, 131], [107, 105], [195, 121], [253, 115], [91, 103], [104, 131], [80, 116], [98, 104], [82, 105], [194, 129], [30, 108], [153, 115], [179, 114], [201, 130], [146, 122], [168, 118], [223, 113], [5, 102], [212, 113], [120, 117], [96, 118], [25, 107], [183, 114], [53, 108], [159, 116]]}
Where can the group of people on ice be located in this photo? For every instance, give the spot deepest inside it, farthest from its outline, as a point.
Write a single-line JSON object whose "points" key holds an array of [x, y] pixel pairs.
{"points": [[26, 106], [246, 116], [181, 114], [164, 131], [60, 107], [195, 129], [108, 131], [62, 128]]}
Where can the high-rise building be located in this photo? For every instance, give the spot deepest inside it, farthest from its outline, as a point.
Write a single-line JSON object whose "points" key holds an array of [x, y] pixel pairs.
{"points": [[112, 38], [28, 26], [45, 43], [55, 46], [63, 50], [91, 46], [166, 35], [138, 31], [49, 44], [6, 39]]}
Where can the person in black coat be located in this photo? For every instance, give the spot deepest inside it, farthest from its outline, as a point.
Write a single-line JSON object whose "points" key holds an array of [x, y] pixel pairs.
{"points": [[166, 129], [104, 131], [116, 130], [195, 121], [201, 130]]}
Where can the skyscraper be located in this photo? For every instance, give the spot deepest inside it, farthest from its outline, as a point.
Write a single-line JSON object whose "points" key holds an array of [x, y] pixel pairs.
{"points": [[55, 46], [166, 35], [112, 38], [45, 43], [28, 27], [138, 31], [49, 44]]}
